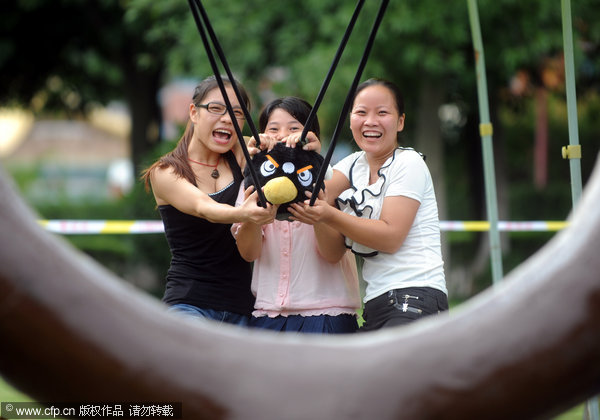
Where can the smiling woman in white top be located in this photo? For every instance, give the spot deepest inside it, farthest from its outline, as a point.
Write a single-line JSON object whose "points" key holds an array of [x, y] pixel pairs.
{"points": [[387, 213]]}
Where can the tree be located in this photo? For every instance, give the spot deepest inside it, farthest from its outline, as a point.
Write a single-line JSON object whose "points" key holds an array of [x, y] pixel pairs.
{"points": [[63, 55], [127, 49]]}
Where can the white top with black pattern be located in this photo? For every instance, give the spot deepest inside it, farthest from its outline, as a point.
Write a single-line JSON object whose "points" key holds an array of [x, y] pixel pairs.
{"points": [[418, 262]]}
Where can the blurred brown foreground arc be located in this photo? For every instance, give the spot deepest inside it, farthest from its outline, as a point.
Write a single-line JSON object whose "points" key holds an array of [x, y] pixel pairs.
{"points": [[527, 348]]}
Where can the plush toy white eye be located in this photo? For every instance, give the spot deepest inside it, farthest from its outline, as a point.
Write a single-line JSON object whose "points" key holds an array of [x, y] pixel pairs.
{"points": [[268, 167], [305, 177]]}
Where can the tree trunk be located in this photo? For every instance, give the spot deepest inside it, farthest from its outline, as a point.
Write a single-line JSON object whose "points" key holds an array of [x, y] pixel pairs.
{"points": [[428, 140], [142, 96]]}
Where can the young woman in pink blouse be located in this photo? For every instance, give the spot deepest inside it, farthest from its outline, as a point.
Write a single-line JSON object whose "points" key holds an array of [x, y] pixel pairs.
{"points": [[299, 285]]}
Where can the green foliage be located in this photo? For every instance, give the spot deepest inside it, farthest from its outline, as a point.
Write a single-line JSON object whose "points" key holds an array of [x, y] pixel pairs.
{"points": [[86, 52], [123, 254]]}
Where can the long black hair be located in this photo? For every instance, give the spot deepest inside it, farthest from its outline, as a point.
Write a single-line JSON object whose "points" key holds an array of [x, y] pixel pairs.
{"points": [[178, 157]]}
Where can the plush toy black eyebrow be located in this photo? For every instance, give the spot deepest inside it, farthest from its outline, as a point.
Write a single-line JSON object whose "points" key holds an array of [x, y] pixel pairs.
{"points": [[306, 168], [196, 6], [348, 101], [273, 161]]}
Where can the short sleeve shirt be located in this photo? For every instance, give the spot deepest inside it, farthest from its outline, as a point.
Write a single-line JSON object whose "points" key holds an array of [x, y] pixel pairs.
{"points": [[418, 262]]}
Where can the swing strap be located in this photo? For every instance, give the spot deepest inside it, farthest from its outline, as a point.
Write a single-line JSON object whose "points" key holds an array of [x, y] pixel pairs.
{"points": [[348, 101], [199, 13], [329, 75]]}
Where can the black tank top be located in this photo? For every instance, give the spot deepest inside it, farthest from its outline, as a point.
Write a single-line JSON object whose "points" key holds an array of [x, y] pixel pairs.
{"points": [[206, 269]]}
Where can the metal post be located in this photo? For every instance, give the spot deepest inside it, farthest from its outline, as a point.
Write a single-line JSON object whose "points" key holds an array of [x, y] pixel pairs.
{"points": [[574, 161], [573, 151], [485, 129]]}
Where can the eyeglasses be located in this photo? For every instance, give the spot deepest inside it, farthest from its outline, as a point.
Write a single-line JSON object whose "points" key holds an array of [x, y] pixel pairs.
{"points": [[220, 109]]}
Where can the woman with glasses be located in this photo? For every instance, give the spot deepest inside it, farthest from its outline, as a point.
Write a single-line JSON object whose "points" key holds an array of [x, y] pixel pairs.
{"points": [[195, 187]]}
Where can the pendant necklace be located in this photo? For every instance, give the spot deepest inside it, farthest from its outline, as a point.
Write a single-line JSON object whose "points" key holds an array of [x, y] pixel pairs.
{"points": [[215, 172]]}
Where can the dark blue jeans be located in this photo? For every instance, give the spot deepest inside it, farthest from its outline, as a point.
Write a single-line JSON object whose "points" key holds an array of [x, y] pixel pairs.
{"points": [[400, 306], [221, 316]]}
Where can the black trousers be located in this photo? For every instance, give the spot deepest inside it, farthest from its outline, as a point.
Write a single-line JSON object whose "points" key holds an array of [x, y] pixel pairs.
{"points": [[401, 306]]}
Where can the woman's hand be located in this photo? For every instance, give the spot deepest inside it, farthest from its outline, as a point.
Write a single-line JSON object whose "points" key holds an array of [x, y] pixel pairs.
{"points": [[267, 142], [312, 141], [320, 212], [253, 212]]}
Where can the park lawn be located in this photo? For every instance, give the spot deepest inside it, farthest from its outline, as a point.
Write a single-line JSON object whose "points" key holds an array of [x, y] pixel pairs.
{"points": [[8, 393]]}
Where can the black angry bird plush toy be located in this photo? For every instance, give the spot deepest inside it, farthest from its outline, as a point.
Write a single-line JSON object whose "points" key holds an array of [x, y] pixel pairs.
{"points": [[286, 173]]}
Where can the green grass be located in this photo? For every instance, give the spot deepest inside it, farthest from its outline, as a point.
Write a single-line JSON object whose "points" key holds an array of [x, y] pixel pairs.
{"points": [[8, 393], [576, 413]]}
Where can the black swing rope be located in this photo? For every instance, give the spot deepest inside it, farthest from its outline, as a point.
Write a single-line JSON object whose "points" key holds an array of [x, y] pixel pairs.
{"points": [[348, 101], [336, 59], [196, 6], [199, 13], [221, 55]]}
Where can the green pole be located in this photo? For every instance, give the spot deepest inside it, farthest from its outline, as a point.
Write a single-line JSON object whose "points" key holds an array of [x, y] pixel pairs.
{"points": [[485, 130], [573, 151]]}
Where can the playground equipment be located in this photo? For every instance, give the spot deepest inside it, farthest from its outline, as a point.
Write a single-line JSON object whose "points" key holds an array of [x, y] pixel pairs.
{"points": [[72, 332], [528, 347]]}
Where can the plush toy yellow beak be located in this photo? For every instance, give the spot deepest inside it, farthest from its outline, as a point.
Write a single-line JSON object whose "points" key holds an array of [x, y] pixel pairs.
{"points": [[280, 190]]}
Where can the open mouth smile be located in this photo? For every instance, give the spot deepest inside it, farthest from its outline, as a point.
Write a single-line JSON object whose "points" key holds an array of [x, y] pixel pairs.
{"points": [[371, 135], [221, 135]]}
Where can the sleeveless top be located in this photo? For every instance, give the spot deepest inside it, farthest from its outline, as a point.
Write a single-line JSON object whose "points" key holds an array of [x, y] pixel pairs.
{"points": [[206, 268]]}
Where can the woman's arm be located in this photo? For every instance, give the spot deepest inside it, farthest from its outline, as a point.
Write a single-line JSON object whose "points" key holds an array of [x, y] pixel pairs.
{"points": [[335, 186], [330, 243], [248, 235], [386, 234], [168, 188]]}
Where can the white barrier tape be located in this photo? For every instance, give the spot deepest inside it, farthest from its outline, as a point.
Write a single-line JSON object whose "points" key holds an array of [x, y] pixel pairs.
{"points": [[82, 227], [482, 226], [99, 227]]}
